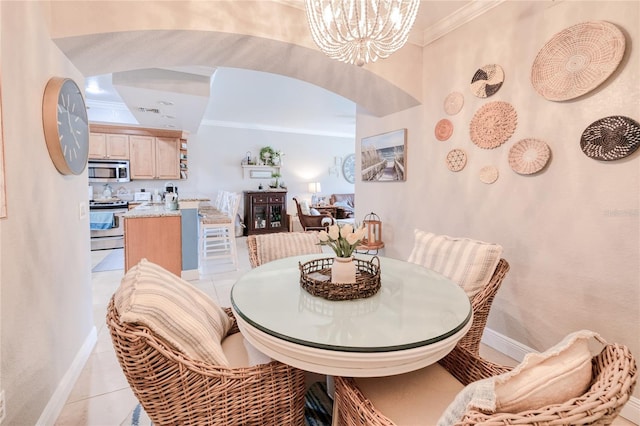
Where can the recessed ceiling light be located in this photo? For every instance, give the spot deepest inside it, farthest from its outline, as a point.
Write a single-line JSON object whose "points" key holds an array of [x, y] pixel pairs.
{"points": [[167, 103], [171, 117], [170, 125]]}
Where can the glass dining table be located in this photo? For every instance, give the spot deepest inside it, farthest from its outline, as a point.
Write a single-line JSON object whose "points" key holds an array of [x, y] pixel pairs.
{"points": [[414, 320]]}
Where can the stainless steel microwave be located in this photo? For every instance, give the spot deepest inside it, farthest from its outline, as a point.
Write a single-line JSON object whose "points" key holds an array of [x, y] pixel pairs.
{"points": [[108, 171]]}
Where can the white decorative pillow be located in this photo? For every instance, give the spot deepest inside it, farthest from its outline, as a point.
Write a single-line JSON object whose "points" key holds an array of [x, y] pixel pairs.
{"points": [[470, 263], [555, 376], [285, 244], [304, 207], [174, 309]]}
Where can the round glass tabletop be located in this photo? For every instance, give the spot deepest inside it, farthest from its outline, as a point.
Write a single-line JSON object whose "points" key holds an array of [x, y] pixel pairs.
{"points": [[415, 307]]}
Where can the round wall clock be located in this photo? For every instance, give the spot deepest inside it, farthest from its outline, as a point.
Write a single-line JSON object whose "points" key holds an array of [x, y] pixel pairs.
{"points": [[349, 168], [66, 128]]}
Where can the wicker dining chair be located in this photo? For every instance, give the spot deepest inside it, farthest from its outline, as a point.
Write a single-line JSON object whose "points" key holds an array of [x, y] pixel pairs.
{"points": [[176, 390], [614, 375], [463, 362], [264, 248]]}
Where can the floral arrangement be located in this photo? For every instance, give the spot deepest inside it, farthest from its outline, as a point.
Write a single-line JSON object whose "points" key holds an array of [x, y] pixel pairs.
{"points": [[342, 239]]}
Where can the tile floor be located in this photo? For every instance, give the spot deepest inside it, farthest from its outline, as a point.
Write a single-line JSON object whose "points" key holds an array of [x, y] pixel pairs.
{"points": [[101, 396]]}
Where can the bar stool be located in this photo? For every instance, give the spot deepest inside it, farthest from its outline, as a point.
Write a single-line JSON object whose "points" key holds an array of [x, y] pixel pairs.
{"points": [[218, 230]]}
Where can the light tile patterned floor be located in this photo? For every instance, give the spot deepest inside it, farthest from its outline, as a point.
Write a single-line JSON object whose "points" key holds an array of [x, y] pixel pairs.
{"points": [[102, 397]]}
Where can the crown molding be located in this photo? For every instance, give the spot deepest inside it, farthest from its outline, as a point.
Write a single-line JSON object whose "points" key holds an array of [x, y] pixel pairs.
{"points": [[465, 14]]}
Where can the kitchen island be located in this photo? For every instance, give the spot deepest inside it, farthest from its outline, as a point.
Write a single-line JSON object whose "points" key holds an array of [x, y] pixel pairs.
{"points": [[168, 238], [153, 233]]}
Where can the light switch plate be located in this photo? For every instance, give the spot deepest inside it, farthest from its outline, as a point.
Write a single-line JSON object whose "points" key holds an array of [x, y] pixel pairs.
{"points": [[82, 209]]}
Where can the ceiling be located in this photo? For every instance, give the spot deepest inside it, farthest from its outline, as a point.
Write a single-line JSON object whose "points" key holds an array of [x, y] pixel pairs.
{"points": [[186, 97]]}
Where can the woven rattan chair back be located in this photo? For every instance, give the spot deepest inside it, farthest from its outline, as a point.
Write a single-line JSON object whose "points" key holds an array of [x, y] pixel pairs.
{"points": [[281, 245], [614, 376], [176, 390]]}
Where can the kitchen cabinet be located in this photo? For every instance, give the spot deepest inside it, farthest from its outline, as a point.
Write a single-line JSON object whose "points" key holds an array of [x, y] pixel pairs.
{"points": [[265, 212], [158, 239], [104, 146], [184, 163], [154, 157]]}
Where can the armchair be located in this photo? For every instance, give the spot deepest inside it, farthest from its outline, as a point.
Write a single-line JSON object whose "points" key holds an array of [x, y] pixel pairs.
{"points": [[311, 222]]}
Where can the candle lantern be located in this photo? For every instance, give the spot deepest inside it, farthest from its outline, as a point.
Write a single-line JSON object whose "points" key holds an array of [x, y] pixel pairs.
{"points": [[373, 236]]}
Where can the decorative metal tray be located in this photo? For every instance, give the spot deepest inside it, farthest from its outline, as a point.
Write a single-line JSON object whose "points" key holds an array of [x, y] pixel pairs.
{"points": [[315, 278]]}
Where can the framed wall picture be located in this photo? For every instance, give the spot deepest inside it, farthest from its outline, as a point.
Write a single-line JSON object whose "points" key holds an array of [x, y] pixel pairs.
{"points": [[384, 157], [260, 174]]}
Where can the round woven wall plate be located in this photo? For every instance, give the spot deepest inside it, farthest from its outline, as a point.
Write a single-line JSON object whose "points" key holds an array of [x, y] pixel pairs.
{"points": [[487, 80], [456, 160], [529, 156], [488, 174], [444, 129], [453, 103], [577, 60], [611, 138], [493, 124]]}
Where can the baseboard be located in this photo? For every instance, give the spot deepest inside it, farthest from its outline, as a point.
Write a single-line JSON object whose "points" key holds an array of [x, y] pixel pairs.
{"points": [[54, 407], [516, 350], [190, 275]]}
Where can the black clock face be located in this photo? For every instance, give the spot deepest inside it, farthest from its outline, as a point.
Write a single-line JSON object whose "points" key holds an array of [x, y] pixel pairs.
{"points": [[73, 127], [348, 168]]}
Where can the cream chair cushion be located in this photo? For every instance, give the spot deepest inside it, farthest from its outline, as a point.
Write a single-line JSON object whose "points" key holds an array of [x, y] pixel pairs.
{"points": [[470, 263], [555, 376], [175, 310], [241, 353], [305, 208], [414, 398], [552, 377], [286, 244]]}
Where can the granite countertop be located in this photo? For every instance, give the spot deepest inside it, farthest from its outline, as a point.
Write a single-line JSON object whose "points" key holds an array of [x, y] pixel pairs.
{"points": [[193, 198], [151, 210]]}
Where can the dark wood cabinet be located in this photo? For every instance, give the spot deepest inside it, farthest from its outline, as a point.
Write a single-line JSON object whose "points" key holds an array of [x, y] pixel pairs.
{"points": [[265, 212]]}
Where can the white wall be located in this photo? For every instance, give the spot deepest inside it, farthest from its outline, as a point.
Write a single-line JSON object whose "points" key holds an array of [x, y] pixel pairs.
{"points": [[571, 233], [45, 264], [215, 154]]}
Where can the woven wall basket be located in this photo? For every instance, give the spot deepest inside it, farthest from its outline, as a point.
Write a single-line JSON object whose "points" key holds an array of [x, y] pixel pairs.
{"points": [[529, 156], [453, 103], [456, 160], [493, 124], [444, 129], [577, 60], [487, 80], [611, 138], [488, 174]]}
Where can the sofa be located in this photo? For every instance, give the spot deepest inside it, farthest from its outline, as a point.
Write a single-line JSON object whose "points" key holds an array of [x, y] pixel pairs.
{"points": [[345, 204]]}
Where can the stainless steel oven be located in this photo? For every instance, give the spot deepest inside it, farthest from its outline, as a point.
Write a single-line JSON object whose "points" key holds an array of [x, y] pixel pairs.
{"points": [[107, 224]]}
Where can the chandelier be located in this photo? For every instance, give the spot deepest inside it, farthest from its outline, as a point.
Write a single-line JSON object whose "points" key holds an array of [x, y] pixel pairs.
{"points": [[360, 31]]}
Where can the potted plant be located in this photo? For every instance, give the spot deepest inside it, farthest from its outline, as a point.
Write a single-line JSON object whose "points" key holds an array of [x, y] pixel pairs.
{"points": [[276, 176]]}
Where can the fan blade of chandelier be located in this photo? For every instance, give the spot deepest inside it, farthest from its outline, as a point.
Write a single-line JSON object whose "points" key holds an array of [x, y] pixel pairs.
{"points": [[360, 31]]}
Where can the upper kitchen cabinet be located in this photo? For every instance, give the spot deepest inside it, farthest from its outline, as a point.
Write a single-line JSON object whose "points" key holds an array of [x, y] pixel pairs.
{"points": [[105, 146], [154, 157], [152, 153]]}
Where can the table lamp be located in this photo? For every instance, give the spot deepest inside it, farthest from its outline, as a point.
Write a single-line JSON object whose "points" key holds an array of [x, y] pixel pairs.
{"points": [[314, 188]]}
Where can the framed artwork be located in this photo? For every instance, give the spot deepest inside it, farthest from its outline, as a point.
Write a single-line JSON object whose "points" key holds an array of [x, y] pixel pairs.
{"points": [[260, 174], [384, 157]]}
